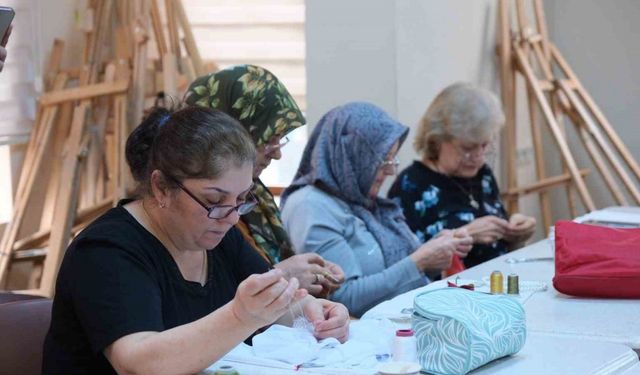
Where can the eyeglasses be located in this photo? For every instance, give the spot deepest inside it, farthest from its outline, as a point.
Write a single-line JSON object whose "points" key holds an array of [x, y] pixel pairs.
{"points": [[272, 146], [392, 164], [476, 151], [221, 211]]}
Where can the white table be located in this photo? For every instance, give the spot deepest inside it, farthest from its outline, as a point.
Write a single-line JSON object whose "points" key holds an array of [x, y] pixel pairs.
{"points": [[634, 370], [551, 312], [554, 313], [544, 354], [541, 354], [557, 325]]}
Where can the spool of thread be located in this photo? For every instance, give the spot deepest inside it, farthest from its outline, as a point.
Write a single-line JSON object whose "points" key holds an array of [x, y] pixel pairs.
{"points": [[404, 346], [226, 370], [513, 284], [496, 285]]}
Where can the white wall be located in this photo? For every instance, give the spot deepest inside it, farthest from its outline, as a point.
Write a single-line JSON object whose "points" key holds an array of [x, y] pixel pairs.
{"points": [[350, 54], [439, 43], [399, 54], [58, 20], [396, 54]]}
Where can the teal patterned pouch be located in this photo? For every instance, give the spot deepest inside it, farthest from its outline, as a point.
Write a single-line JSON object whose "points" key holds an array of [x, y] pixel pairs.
{"points": [[459, 330]]}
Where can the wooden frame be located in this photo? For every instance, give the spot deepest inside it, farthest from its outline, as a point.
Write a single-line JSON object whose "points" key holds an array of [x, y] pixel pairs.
{"points": [[83, 121], [554, 90]]}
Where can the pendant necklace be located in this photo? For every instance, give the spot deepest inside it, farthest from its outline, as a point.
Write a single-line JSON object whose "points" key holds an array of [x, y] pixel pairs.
{"points": [[472, 201]]}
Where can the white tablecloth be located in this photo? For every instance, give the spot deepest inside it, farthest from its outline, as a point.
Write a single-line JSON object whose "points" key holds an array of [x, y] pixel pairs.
{"points": [[557, 324], [541, 354], [554, 313]]}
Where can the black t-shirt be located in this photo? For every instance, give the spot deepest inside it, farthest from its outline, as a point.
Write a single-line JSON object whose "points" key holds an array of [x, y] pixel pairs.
{"points": [[117, 279], [432, 202]]}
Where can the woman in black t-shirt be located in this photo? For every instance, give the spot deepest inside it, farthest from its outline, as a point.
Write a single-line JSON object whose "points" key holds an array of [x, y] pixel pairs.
{"points": [[452, 186], [164, 284]]}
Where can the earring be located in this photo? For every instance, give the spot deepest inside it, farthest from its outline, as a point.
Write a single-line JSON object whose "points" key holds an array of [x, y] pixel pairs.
{"points": [[162, 205]]}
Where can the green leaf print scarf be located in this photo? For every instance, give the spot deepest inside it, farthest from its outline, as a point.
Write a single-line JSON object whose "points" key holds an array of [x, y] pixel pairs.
{"points": [[256, 98]]}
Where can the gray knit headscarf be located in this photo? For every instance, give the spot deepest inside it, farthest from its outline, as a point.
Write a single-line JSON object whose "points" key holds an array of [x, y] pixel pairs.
{"points": [[342, 157]]}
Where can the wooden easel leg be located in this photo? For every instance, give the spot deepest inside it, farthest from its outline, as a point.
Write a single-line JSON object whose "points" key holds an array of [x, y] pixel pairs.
{"points": [[67, 199], [571, 199], [553, 126], [61, 134], [590, 103], [189, 39], [594, 133], [120, 167], [169, 75], [29, 175], [507, 74], [545, 206]]}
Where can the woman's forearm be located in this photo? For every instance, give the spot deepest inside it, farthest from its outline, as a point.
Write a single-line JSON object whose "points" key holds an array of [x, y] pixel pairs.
{"points": [[185, 349], [364, 292]]}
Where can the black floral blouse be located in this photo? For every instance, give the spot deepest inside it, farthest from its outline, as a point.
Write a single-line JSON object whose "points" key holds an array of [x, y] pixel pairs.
{"points": [[432, 202]]}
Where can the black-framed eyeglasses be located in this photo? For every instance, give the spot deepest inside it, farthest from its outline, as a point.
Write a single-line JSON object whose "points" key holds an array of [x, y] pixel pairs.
{"points": [[220, 211]]}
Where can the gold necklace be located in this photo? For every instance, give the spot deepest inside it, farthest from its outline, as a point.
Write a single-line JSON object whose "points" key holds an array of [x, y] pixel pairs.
{"points": [[203, 272], [472, 201], [469, 193]]}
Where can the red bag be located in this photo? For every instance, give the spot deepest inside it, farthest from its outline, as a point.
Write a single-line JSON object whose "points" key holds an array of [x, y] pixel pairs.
{"points": [[595, 261]]}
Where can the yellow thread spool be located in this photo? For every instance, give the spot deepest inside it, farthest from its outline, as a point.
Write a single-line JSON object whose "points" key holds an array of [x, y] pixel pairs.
{"points": [[496, 283]]}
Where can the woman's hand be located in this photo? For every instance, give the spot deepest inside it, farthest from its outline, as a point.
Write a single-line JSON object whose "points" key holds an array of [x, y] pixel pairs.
{"points": [[436, 253], [329, 319], [487, 229], [520, 229], [464, 244], [261, 299], [315, 274], [332, 279]]}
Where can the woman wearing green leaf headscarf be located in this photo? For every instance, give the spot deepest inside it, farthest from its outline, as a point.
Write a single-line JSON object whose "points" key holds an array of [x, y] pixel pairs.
{"points": [[256, 98]]}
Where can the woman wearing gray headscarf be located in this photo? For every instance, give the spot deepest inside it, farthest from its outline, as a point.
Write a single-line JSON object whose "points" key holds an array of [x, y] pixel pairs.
{"points": [[332, 208]]}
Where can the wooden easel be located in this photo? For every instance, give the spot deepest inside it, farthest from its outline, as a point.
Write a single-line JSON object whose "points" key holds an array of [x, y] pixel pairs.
{"points": [[83, 121], [554, 89]]}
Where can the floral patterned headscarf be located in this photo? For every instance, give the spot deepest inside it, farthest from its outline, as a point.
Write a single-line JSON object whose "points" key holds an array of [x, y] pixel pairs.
{"points": [[256, 98]]}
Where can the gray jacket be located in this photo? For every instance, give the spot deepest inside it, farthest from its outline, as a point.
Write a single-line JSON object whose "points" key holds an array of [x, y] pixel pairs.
{"points": [[318, 222]]}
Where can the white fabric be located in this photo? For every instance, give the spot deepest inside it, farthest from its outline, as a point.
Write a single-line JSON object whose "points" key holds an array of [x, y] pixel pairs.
{"points": [[283, 347]]}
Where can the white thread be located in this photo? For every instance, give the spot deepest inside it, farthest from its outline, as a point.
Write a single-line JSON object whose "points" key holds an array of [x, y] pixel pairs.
{"points": [[404, 346]]}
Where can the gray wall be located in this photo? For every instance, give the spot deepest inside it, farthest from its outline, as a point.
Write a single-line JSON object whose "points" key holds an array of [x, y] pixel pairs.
{"points": [[599, 39]]}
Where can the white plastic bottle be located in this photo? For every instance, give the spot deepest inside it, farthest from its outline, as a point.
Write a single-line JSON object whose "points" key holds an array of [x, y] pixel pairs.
{"points": [[404, 346]]}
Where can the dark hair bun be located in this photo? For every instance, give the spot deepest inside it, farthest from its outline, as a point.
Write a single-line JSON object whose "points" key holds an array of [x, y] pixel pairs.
{"points": [[140, 140]]}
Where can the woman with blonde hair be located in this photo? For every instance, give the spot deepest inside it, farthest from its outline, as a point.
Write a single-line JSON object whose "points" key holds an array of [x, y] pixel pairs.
{"points": [[452, 186]]}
